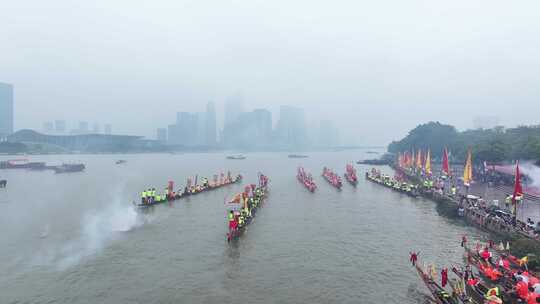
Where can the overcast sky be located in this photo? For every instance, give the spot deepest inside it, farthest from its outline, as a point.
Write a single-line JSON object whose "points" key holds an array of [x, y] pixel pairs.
{"points": [[377, 68]]}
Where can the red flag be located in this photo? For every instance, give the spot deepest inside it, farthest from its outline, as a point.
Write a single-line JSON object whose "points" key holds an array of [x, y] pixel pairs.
{"points": [[445, 163], [518, 190]]}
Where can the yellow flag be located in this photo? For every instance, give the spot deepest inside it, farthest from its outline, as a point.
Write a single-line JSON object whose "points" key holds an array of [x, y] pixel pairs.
{"points": [[428, 162], [467, 172]]}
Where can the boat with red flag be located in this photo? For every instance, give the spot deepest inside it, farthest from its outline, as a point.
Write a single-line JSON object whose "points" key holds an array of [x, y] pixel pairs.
{"points": [[350, 175], [332, 178], [242, 208], [306, 179]]}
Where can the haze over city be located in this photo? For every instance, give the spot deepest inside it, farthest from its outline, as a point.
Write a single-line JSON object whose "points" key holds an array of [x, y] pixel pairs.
{"points": [[385, 65]]}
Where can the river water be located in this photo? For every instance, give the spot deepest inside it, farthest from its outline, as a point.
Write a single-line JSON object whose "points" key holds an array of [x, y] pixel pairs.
{"points": [[74, 238]]}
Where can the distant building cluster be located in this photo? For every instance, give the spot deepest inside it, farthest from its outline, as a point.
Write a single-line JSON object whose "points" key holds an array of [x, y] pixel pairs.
{"points": [[59, 127], [247, 129], [240, 130]]}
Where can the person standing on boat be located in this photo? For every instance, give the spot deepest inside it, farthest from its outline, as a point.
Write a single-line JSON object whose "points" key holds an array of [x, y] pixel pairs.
{"points": [[143, 197], [230, 217], [413, 258], [464, 240], [444, 277]]}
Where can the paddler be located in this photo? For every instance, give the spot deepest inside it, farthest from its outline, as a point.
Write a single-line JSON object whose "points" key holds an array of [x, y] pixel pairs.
{"points": [[149, 197], [486, 255], [143, 197], [230, 217], [464, 240], [493, 292], [494, 300], [504, 263], [521, 288]]}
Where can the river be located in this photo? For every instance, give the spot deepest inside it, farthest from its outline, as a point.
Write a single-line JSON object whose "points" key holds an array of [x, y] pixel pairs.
{"points": [[74, 238]]}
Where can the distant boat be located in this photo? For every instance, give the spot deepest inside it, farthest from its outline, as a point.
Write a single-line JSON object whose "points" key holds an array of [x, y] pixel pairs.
{"points": [[121, 161], [68, 168], [21, 164], [372, 152], [373, 162], [236, 157], [297, 156]]}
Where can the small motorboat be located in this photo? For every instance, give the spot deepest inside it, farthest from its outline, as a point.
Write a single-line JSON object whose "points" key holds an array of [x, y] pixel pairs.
{"points": [[297, 156], [121, 161], [68, 168], [236, 157]]}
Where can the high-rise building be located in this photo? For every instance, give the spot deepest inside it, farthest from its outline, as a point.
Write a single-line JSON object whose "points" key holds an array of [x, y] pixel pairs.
{"points": [[251, 130], [185, 133], [211, 125], [234, 106], [173, 135], [161, 135], [200, 134], [6, 109], [48, 127], [60, 126], [263, 124], [291, 128], [108, 129]]}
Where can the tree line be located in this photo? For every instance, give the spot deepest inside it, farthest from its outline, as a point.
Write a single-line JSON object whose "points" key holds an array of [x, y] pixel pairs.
{"points": [[491, 145]]}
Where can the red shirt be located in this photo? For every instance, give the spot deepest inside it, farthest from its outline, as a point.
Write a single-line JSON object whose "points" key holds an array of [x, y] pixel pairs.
{"points": [[522, 290]]}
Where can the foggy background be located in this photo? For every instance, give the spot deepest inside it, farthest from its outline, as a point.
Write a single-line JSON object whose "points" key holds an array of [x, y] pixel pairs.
{"points": [[376, 69]]}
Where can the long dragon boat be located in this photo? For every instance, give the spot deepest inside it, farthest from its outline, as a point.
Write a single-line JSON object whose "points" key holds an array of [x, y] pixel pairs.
{"points": [[332, 178], [306, 179], [440, 295], [394, 184], [189, 190], [242, 208], [350, 175]]}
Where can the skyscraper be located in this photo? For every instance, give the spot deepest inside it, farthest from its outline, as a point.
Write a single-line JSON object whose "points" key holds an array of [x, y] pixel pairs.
{"points": [[251, 130], [200, 131], [185, 132], [6, 109], [291, 128], [234, 106], [211, 125]]}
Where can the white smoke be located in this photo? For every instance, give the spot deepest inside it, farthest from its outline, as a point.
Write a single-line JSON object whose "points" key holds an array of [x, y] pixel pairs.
{"points": [[532, 171], [97, 230]]}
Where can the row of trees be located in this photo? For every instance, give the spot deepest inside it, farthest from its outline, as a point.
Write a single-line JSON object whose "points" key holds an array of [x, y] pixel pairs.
{"points": [[491, 145]]}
